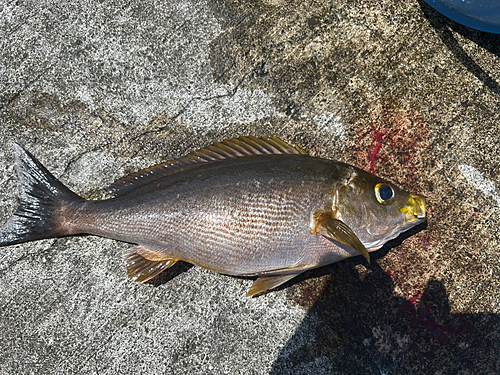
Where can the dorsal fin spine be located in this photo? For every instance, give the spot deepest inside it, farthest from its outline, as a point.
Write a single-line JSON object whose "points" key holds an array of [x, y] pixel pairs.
{"points": [[245, 147], [227, 149]]}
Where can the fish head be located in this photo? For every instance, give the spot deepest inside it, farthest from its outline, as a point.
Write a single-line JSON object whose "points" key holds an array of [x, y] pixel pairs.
{"points": [[376, 210]]}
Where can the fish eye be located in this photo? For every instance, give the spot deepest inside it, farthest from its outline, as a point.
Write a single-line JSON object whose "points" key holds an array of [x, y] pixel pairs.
{"points": [[384, 193]]}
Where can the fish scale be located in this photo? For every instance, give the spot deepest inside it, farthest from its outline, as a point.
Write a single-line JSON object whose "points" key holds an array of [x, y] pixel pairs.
{"points": [[249, 206], [200, 224]]}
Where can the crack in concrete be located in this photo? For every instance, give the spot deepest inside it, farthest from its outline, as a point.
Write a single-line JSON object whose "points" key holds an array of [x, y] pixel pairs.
{"points": [[76, 159], [229, 94], [159, 130]]}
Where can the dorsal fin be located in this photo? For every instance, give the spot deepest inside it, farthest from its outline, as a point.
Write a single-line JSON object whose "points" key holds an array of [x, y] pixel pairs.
{"points": [[227, 149]]}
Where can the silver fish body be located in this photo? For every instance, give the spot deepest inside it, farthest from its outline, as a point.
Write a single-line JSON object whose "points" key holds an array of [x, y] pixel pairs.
{"points": [[273, 215], [240, 217]]}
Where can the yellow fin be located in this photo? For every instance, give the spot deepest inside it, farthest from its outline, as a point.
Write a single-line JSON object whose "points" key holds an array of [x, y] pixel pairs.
{"points": [[337, 230], [143, 264], [227, 149], [150, 254], [268, 282]]}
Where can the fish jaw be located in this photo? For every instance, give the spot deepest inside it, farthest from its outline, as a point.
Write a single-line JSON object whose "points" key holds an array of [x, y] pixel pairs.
{"points": [[415, 209], [414, 214]]}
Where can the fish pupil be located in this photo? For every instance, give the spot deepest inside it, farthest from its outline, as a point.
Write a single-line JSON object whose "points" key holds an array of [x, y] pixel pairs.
{"points": [[385, 193]]}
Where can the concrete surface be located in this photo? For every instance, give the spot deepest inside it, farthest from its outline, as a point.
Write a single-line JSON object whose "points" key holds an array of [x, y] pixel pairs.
{"points": [[99, 89]]}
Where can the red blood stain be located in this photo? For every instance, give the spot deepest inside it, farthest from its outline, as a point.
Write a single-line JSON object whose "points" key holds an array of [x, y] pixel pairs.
{"points": [[406, 306], [395, 142], [311, 296], [421, 317], [390, 273], [377, 137], [415, 297], [399, 139]]}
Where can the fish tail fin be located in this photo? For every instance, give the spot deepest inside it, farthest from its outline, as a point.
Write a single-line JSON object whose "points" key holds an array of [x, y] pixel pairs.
{"points": [[41, 203]]}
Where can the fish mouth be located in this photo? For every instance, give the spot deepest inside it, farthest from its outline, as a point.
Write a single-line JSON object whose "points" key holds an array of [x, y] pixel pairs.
{"points": [[415, 209]]}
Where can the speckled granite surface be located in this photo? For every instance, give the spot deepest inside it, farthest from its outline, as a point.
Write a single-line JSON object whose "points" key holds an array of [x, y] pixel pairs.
{"points": [[99, 89]]}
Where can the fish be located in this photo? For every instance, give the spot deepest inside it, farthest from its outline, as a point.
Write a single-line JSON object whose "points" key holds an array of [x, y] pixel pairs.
{"points": [[246, 206]]}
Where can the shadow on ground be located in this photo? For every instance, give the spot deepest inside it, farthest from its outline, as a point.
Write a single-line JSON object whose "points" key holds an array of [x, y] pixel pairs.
{"points": [[444, 27], [359, 326]]}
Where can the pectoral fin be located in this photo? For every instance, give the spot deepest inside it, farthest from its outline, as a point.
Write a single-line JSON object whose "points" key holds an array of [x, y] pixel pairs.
{"points": [[144, 264], [268, 282], [339, 231]]}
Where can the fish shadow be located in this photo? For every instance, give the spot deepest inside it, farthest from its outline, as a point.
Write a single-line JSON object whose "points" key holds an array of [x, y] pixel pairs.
{"points": [[169, 274], [359, 325], [444, 27]]}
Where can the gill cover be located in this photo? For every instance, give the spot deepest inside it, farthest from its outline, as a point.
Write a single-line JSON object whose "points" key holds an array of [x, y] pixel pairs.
{"points": [[375, 209]]}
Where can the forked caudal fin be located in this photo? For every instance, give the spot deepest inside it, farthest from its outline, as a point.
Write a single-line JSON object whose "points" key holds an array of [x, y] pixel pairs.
{"points": [[41, 197]]}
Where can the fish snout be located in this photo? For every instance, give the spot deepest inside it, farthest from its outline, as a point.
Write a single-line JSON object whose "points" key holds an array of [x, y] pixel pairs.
{"points": [[415, 209]]}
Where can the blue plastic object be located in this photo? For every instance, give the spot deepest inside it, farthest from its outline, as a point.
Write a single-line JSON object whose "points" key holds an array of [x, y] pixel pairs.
{"points": [[482, 15]]}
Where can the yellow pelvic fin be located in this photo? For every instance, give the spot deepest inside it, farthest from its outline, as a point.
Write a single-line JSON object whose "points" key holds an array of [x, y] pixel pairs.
{"points": [[264, 283], [337, 230], [144, 264]]}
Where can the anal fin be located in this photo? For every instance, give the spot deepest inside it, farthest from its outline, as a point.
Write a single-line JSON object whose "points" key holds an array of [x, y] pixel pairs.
{"points": [[268, 282], [143, 264], [149, 254]]}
